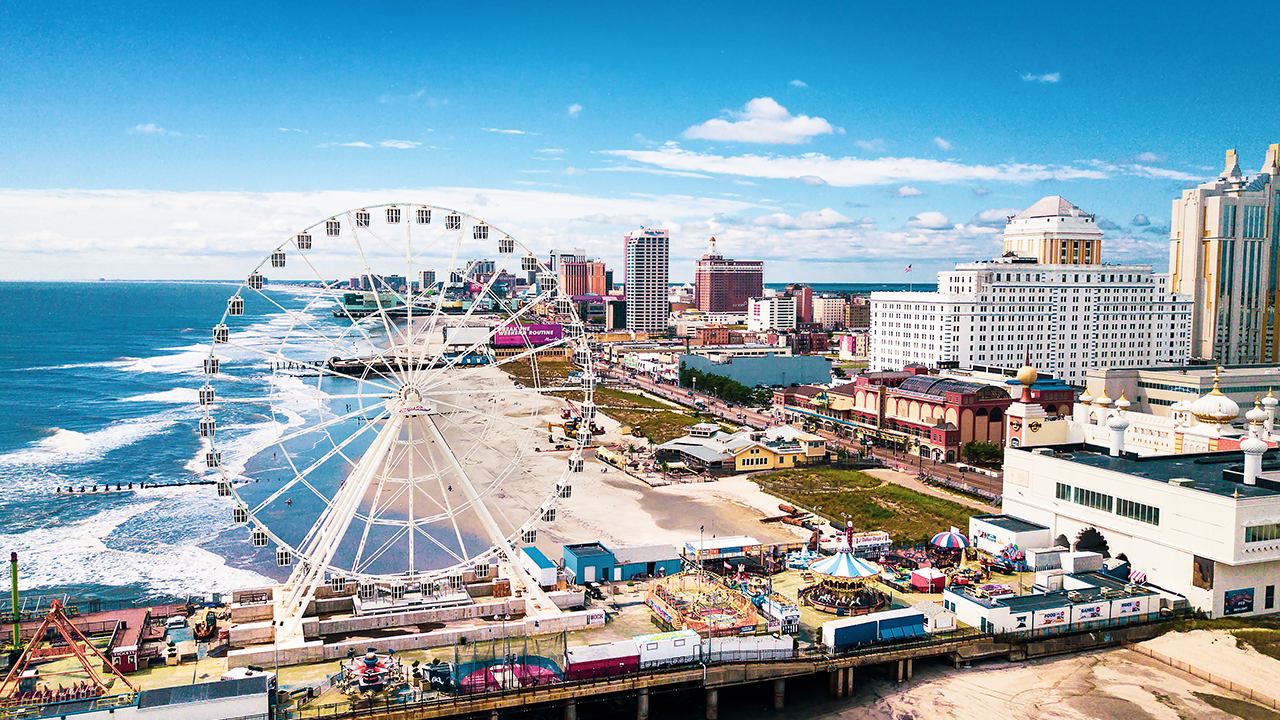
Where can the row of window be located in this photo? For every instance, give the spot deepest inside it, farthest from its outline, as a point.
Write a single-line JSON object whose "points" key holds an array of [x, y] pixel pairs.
{"points": [[1138, 511], [1093, 499], [1261, 533], [1101, 501]]}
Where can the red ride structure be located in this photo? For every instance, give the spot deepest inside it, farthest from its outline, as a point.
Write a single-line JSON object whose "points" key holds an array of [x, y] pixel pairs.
{"points": [[19, 689]]}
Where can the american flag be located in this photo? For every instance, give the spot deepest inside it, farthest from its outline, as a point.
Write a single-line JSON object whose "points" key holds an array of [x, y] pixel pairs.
{"points": [[908, 268]]}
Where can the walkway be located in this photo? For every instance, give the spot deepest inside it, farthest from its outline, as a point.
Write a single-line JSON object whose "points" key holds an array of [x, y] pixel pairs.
{"points": [[909, 481]]}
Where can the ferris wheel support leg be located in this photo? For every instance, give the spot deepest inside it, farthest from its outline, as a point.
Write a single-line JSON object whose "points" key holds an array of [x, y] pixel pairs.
{"points": [[546, 606], [331, 528]]}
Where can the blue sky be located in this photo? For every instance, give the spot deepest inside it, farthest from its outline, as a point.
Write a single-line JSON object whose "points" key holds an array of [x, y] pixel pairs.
{"points": [[836, 142]]}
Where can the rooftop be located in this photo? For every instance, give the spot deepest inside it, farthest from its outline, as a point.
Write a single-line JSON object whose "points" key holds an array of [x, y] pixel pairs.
{"points": [[587, 549], [1205, 471], [1051, 206], [645, 554], [1009, 522]]}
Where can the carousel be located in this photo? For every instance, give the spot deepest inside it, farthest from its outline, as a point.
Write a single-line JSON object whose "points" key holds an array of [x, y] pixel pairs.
{"points": [[372, 675], [842, 582]]}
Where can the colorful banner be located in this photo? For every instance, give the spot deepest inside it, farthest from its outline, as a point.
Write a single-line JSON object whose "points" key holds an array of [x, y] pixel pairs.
{"points": [[1236, 602], [527, 335], [1129, 607], [1091, 613], [1054, 617]]}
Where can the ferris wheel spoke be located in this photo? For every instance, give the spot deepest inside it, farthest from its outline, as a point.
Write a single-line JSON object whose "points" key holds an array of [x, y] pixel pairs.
{"points": [[480, 413], [355, 323], [317, 464], [297, 317], [377, 295], [531, 352], [439, 308], [322, 369], [429, 379], [484, 292], [386, 545], [481, 442]]}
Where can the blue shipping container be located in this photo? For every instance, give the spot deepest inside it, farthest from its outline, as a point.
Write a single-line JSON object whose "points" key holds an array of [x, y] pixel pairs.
{"points": [[900, 624]]}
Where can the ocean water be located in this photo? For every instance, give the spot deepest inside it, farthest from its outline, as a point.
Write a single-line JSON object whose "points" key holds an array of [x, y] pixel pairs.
{"points": [[864, 288], [98, 386]]}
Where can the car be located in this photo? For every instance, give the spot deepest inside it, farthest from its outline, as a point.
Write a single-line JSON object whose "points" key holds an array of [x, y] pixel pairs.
{"points": [[175, 622]]}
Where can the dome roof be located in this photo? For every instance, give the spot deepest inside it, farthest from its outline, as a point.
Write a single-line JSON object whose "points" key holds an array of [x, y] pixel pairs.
{"points": [[1270, 400], [1086, 398], [1117, 422], [1256, 415], [1103, 399], [1215, 408], [1253, 446], [1178, 406], [1123, 402], [1027, 375]]}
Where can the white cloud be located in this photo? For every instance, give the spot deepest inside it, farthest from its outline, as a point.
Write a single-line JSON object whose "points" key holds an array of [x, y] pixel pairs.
{"points": [[825, 218], [552, 151], [798, 83], [651, 171], [981, 192], [942, 144], [358, 143], [906, 191], [151, 129], [762, 120], [574, 109], [1149, 158], [993, 218], [400, 144], [850, 171], [574, 171], [810, 180], [1146, 171], [1049, 78], [505, 132], [876, 145], [931, 220], [1140, 220], [304, 132]]}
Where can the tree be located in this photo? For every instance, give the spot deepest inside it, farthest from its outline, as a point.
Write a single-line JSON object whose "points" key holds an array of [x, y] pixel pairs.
{"points": [[981, 453]]}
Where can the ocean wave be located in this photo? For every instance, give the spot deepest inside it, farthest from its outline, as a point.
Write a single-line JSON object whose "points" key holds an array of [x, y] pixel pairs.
{"points": [[80, 553], [186, 396], [69, 446]]}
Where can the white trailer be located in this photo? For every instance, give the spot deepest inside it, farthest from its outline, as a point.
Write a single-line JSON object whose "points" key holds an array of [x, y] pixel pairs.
{"points": [[669, 648], [748, 648]]}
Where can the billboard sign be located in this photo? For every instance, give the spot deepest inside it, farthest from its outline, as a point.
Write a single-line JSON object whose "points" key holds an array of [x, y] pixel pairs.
{"points": [[527, 335], [1236, 602]]}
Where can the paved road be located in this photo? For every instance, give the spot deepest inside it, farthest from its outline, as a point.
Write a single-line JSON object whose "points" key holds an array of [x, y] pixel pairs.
{"points": [[755, 418]]}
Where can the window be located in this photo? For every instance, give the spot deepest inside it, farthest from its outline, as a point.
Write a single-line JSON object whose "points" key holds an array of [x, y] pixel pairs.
{"points": [[1138, 511], [1270, 598], [1064, 492], [1262, 533], [1095, 500]]}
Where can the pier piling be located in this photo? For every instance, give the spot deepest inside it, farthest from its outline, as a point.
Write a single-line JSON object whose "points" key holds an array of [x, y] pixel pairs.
{"points": [[779, 693], [713, 704], [642, 704], [571, 709]]}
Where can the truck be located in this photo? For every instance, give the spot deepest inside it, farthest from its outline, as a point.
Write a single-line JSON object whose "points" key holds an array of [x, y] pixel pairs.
{"points": [[601, 660], [669, 649]]}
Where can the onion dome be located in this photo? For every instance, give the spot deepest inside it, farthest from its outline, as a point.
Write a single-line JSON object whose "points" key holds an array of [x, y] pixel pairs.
{"points": [[1179, 406], [1256, 416], [1123, 403], [1086, 398], [1215, 408], [1103, 400], [1253, 446], [1118, 422], [1270, 400]]}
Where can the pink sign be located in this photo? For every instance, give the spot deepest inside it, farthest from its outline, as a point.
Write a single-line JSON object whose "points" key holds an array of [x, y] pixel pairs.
{"points": [[526, 335]]}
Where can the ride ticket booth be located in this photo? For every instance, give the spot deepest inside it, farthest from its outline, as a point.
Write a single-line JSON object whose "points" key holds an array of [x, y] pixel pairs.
{"points": [[125, 658]]}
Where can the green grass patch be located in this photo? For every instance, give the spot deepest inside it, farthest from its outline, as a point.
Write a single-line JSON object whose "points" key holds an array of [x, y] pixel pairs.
{"points": [[548, 371], [610, 398], [657, 425], [871, 504]]}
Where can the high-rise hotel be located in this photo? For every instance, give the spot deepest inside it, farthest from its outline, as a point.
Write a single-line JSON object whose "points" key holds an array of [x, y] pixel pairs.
{"points": [[1225, 253], [646, 272], [1048, 295], [725, 285]]}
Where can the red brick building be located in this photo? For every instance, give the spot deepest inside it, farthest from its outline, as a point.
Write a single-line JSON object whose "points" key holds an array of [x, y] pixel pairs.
{"points": [[724, 285]]}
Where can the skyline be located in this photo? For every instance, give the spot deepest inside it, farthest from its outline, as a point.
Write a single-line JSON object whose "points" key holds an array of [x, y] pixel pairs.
{"points": [[185, 144]]}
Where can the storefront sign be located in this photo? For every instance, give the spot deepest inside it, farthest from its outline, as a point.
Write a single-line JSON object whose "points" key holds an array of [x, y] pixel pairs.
{"points": [[1054, 617], [1091, 613], [527, 335], [1129, 607]]}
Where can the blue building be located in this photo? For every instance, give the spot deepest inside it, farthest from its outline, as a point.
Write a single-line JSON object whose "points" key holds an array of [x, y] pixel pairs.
{"points": [[589, 562], [766, 371], [651, 560]]}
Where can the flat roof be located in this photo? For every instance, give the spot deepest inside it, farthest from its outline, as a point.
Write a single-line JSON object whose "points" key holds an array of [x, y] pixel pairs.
{"points": [[733, 541], [591, 549], [203, 692], [1009, 522], [538, 557], [1205, 470], [645, 554]]}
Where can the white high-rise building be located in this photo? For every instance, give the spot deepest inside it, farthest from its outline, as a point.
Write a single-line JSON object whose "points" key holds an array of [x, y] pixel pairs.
{"points": [[1225, 253], [1069, 317], [646, 273], [1053, 231], [771, 313]]}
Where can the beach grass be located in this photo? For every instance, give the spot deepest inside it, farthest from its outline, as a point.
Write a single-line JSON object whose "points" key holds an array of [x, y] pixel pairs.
{"points": [[871, 504], [657, 425], [611, 398], [549, 371]]}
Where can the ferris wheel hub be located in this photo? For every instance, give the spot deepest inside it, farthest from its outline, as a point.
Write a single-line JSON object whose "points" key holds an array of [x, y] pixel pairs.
{"points": [[411, 401]]}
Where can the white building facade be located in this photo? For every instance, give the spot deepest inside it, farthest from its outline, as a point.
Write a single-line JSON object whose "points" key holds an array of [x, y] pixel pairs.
{"points": [[1225, 253], [829, 311], [1070, 315], [771, 313], [647, 272]]}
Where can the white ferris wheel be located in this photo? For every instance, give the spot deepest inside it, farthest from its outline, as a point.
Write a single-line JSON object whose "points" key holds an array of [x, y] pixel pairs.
{"points": [[425, 362]]}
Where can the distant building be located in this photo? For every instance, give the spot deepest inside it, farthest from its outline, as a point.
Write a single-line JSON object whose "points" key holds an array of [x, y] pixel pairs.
{"points": [[804, 301], [712, 334], [1223, 253], [1157, 390], [708, 448], [583, 277], [724, 285], [829, 311], [807, 342], [765, 371], [771, 313], [858, 314], [647, 257], [1071, 317], [1054, 232]]}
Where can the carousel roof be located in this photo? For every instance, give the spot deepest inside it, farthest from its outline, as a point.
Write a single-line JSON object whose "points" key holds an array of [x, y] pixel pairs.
{"points": [[845, 564], [953, 540]]}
